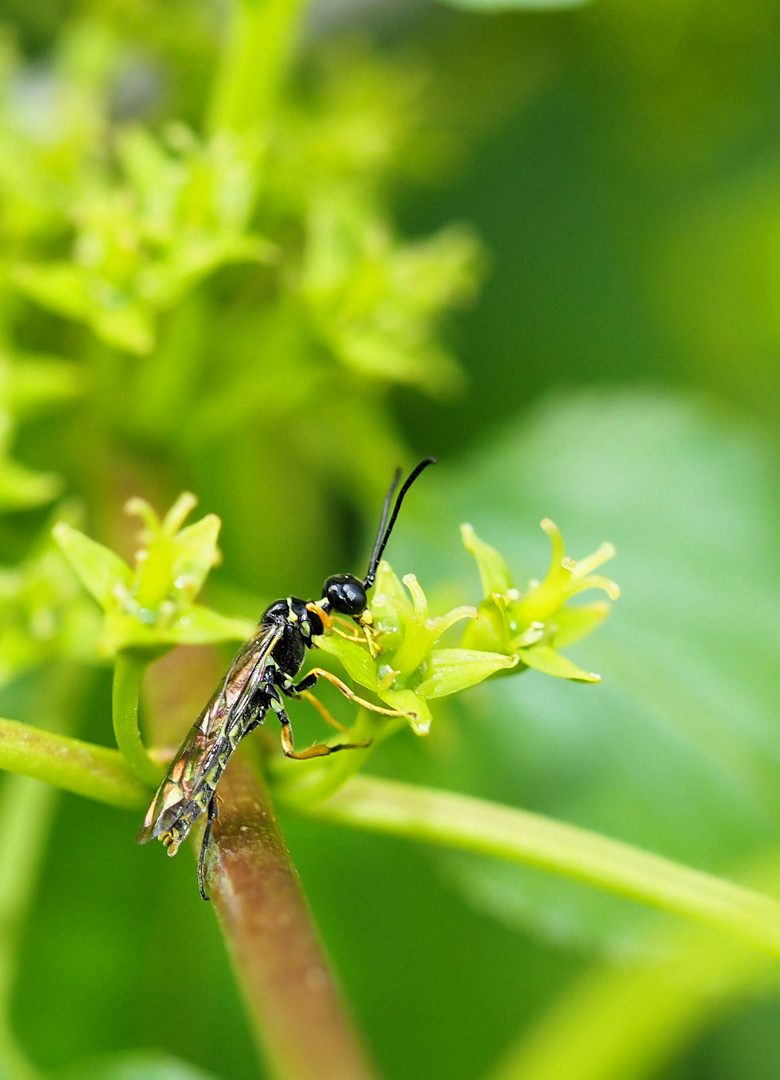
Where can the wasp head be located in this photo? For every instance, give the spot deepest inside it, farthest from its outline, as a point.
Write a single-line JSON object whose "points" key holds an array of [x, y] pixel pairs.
{"points": [[345, 594]]}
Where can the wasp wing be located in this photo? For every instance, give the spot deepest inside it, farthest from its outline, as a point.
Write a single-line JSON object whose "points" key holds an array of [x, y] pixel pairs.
{"points": [[213, 736]]}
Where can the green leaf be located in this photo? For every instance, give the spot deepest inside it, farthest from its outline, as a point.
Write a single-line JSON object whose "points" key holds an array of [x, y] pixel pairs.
{"points": [[355, 658], [195, 553], [22, 489], [61, 287], [31, 383], [129, 325], [98, 568], [409, 701], [577, 621]]}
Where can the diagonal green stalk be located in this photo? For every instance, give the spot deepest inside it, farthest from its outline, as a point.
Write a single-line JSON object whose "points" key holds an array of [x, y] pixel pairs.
{"points": [[129, 670], [439, 817], [260, 36], [643, 1012], [83, 768], [503, 832]]}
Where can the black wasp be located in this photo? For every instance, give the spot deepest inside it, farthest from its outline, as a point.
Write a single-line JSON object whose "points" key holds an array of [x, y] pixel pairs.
{"points": [[261, 675]]}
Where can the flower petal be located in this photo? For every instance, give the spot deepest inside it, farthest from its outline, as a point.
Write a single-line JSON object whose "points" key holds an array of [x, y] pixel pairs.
{"points": [[355, 658], [202, 626], [98, 568], [543, 658], [493, 571], [572, 623], [411, 702], [452, 670]]}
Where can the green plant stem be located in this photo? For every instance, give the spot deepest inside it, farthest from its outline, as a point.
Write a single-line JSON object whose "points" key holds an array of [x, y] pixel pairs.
{"points": [[83, 768], [14, 1063], [25, 811], [258, 44], [460, 821], [644, 1012], [129, 670], [289, 989]]}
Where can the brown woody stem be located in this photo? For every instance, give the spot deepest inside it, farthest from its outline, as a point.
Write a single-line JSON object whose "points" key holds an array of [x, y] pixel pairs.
{"points": [[299, 1017]]}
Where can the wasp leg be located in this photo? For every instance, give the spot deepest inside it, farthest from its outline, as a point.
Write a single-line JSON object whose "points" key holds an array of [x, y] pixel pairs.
{"points": [[212, 814], [316, 749], [339, 625], [320, 673], [324, 713], [371, 635], [301, 692], [305, 684], [366, 636]]}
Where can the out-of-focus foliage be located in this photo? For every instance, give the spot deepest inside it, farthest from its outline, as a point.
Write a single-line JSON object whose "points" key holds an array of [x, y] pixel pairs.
{"points": [[29, 385], [508, 5], [688, 726], [44, 616], [260, 312]]}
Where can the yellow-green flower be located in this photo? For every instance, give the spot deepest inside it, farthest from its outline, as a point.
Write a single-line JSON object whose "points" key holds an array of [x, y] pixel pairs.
{"points": [[411, 668], [537, 623], [508, 631], [151, 606]]}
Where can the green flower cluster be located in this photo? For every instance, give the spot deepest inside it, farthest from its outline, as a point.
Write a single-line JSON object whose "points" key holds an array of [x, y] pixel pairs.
{"points": [[510, 630], [42, 616], [179, 211], [112, 226], [150, 607]]}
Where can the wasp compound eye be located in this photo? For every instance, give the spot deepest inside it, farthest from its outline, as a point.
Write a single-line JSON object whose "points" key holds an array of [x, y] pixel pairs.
{"points": [[345, 594]]}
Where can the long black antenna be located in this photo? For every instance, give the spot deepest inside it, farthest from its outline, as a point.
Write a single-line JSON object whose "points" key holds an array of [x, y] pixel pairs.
{"points": [[383, 534]]}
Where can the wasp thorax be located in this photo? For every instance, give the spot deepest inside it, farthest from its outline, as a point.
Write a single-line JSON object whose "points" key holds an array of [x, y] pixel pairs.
{"points": [[279, 610], [345, 594]]}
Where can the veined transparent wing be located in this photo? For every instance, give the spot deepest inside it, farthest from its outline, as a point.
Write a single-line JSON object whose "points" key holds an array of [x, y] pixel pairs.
{"points": [[210, 736]]}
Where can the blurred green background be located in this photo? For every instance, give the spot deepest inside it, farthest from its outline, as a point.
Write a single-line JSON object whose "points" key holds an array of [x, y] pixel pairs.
{"points": [[543, 245]]}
